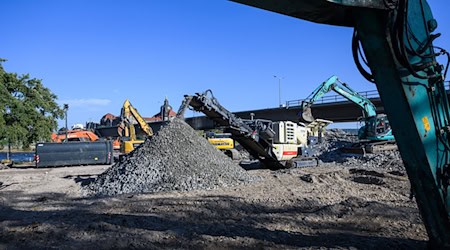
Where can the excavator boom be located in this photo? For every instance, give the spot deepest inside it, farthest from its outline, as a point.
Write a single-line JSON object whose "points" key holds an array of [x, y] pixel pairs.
{"points": [[376, 127], [128, 136], [127, 111], [396, 38], [333, 84]]}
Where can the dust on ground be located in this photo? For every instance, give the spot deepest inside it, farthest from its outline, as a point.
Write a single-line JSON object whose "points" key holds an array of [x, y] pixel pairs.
{"points": [[347, 202], [331, 206]]}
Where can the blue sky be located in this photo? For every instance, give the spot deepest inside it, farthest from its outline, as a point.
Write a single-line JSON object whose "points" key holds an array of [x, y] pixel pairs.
{"points": [[95, 54]]}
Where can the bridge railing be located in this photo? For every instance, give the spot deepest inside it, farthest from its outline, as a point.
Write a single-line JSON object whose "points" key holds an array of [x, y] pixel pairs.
{"points": [[333, 98], [338, 98]]}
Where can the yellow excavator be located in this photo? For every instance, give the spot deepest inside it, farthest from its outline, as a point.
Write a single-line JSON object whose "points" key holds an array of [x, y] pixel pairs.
{"points": [[129, 141], [224, 143]]}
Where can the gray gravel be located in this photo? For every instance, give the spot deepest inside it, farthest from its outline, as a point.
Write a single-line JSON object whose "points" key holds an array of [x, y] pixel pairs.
{"points": [[336, 139], [389, 161], [176, 158]]}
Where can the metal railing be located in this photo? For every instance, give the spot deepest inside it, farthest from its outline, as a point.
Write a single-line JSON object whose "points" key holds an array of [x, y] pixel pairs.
{"points": [[333, 98], [338, 98]]}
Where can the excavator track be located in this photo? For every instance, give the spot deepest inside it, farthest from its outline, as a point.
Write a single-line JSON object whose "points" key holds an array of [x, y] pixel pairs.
{"points": [[367, 147]]}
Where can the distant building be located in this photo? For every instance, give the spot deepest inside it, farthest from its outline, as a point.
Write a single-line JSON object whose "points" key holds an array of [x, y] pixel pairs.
{"points": [[166, 111]]}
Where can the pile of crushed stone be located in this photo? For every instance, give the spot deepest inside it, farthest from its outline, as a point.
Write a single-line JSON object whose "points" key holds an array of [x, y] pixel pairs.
{"points": [[333, 140], [175, 159], [329, 152], [388, 160]]}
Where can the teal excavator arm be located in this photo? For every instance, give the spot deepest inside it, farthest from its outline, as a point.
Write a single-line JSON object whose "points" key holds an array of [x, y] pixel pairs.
{"points": [[396, 38], [333, 84]]}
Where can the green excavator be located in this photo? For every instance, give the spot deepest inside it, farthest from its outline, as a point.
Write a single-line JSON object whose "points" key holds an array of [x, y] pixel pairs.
{"points": [[376, 126], [395, 39]]}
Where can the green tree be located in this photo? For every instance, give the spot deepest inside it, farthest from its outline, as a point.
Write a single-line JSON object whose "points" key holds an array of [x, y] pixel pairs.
{"points": [[28, 110]]}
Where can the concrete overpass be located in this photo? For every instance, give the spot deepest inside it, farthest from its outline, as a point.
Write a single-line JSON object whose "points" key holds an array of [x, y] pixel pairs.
{"points": [[330, 107]]}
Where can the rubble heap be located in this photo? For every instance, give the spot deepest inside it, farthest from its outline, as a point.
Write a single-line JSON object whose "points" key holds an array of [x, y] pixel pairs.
{"points": [[176, 158], [336, 138], [329, 149], [388, 160]]}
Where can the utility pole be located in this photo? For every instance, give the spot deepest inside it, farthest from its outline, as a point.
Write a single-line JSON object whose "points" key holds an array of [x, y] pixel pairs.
{"points": [[66, 107], [279, 89]]}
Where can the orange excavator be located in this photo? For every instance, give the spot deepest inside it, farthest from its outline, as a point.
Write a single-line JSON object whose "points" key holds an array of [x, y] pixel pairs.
{"points": [[76, 134]]}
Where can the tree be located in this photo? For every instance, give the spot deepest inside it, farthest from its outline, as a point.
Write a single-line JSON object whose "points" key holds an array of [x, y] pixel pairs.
{"points": [[28, 110]]}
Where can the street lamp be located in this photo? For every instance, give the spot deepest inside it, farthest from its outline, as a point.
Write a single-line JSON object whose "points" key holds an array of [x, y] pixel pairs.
{"points": [[279, 89], [66, 107]]}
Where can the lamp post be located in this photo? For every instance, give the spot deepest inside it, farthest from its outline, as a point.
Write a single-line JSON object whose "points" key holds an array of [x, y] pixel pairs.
{"points": [[279, 89], [66, 107]]}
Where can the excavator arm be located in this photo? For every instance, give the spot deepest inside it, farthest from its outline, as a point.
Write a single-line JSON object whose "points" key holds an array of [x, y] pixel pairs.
{"points": [[129, 111], [333, 84], [396, 37]]}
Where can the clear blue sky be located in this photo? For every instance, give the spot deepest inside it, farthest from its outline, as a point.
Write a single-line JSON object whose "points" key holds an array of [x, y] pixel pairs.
{"points": [[93, 54]]}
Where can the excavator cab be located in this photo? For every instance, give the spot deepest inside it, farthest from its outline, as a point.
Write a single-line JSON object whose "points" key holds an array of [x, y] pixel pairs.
{"points": [[378, 128]]}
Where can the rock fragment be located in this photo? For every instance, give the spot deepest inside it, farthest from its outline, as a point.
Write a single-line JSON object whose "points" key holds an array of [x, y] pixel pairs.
{"points": [[335, 139]]}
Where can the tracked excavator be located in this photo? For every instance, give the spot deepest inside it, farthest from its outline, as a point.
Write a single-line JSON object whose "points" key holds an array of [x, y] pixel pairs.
{"points": [[376, 133], [396, 38], [128, 139], [224, 143], [74, 135], [276, 145]]}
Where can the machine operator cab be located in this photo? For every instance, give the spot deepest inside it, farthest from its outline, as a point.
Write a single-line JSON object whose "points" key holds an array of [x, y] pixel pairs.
{"points": [[376, 128]]}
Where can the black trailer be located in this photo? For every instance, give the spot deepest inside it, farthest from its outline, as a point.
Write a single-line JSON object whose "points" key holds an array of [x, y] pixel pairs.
{"points": [[73, 153]]}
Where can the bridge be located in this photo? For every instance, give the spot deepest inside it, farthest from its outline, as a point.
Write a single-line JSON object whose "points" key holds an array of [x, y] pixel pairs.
{"points": [[330, 107]]}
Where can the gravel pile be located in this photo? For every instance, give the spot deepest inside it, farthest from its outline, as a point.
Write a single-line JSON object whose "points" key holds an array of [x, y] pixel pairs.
{"points": [[336, 139], [389, 161], [176, 158], [329, 149]]}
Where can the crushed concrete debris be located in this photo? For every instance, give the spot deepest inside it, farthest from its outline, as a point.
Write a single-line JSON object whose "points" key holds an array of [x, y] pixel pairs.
{"points": [[335, 139], [389, 160], [176, 158]]}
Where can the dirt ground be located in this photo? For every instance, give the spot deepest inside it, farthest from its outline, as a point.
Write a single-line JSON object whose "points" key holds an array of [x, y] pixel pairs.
{"points": [[329, 206]]}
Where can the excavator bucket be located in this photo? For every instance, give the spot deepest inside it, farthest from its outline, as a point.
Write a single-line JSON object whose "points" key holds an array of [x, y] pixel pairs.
{"points": [[306, 115]]}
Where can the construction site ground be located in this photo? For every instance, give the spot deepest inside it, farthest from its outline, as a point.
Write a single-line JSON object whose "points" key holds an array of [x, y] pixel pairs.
{"points": [[330, 206]]}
